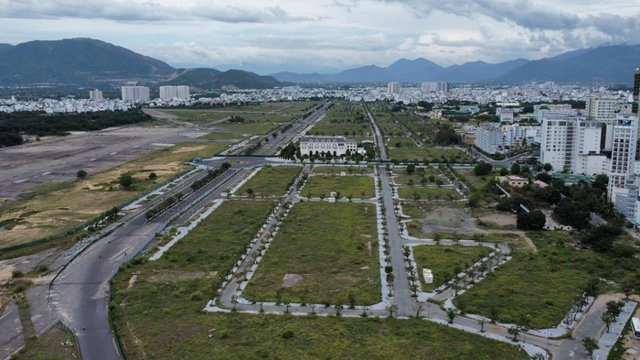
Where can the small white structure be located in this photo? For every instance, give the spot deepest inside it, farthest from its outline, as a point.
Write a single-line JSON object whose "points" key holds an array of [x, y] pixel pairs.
{"points": [[335, 145], [427, 275]]}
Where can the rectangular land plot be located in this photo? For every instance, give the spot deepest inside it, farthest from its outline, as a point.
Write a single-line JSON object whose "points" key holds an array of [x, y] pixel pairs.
{"points": [[341, 169], [445, 261], [271, 181], [323, 185], [219, 240], [428, 193], [324, 253]]}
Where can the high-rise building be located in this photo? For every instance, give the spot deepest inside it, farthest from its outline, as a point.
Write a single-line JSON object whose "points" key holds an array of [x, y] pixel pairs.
{"points": [[173, 92], [432, 86], [489, 138], [636, 91], [95, 94], [623, 152], [393, 87], [135, 93], [601, 107]]}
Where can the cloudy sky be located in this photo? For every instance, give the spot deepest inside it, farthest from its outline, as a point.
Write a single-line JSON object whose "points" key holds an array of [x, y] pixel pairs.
{"points": [[327, 35]]}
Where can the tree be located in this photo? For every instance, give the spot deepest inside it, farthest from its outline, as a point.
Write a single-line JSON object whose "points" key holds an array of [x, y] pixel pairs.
{"points": [[545, 177], [126, 181], [547, 167], [81, 174], [601, 237], [504, 171], [572, 213], [590, 345], [410, 169], [533, 220], [152, 176], [451, 314], [249, 192], [607, 319], [515, 169], [600, 182], [482, 168]]}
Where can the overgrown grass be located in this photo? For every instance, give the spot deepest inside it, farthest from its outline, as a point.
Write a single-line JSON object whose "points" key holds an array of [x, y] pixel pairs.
{"points": [[429, 154], [334, 247], [445, 261], [323, 185], [271, 181], [425, 193], [57, 343], [219, 240], [540, 284], [341, 169]]}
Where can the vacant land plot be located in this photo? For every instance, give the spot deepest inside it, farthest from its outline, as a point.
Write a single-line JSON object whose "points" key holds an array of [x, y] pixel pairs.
{"points": [[253, 128], [345, 119], [345, 186], [333, 248], [343, 169], [430, 154], [270, 181], [57, 343], [428, 193], [542, 285], [215, 244], [61, 207], [445, 261]]}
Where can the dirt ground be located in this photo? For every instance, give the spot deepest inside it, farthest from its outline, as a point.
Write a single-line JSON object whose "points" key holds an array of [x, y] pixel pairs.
{"points": [[449, 220], [59, 158], [499, 218]]}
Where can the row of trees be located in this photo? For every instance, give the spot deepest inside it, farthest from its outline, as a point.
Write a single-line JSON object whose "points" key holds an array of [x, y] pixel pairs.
{"points": [[211, 174]]}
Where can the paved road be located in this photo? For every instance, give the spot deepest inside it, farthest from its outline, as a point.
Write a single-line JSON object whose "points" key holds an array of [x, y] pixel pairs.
{"points": [[376, 130], [80, 293]]}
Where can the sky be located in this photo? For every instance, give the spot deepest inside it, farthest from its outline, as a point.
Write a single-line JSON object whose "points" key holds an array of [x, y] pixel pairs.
{"points": [[325, 36]]}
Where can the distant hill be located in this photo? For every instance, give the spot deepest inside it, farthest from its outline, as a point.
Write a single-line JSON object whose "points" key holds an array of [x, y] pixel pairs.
{"points": [[608, 65], [213, 79], [404, 70], [82, 61], [79, 61], [603, 65]]}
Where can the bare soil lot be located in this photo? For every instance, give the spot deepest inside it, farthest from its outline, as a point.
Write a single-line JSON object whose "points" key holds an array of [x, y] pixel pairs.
{"points": [[59, 159]]}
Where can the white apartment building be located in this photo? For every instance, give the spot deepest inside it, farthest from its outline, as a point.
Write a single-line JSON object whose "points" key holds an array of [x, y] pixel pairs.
{"points": [[336, 145], [95, 95], [623, 151], [518, 135], [135, 93], [490, 139], [174, 92], [432, 86], [505, 114], [393, 87], [601, 107]]}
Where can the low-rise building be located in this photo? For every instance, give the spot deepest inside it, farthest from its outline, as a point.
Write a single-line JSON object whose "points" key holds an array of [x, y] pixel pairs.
{"points": [[490, 139], [319, 145]]}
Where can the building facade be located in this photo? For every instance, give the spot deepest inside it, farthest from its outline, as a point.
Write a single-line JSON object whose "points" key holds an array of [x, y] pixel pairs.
{"points": [[95, 94], [135, 93], [320, 145], [174, 92], [393, 87], [490, 139], [636, 91]]}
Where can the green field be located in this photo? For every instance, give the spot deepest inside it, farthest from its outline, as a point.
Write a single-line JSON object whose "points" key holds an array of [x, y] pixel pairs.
{"points": [[253, 128], [445, 261], [218, 241], [428, 193], [323, 185], [271, 181], [334, 247], [345, 169], [345, 119], [542, 284], [429, 154]]}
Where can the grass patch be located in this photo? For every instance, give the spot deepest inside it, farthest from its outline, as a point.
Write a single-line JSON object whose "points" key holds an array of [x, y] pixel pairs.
{"points": [[445, 261], [222, 135], [216, 243], [249, 128], [58, 208], [57, 343], [271, 181], [542, 285], [430, 154], [334, 247], [323, 185], [341, 169], [424, 193]]}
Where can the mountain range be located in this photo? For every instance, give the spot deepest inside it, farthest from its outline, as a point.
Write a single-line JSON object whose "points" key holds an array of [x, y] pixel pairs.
{"points": [[89, 62], [602, 65]]}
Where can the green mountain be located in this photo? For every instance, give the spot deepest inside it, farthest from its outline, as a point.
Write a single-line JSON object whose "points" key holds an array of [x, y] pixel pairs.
{"points": [[76, 61], [213, 79], [82, 62]]}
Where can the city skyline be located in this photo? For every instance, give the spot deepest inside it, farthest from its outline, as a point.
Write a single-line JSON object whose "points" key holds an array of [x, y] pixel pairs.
{"points": [[329, 35]]}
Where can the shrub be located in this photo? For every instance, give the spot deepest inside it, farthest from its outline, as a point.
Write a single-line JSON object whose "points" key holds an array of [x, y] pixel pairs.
{"points": [[288, 334], [81, 174], [17, 274]]}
